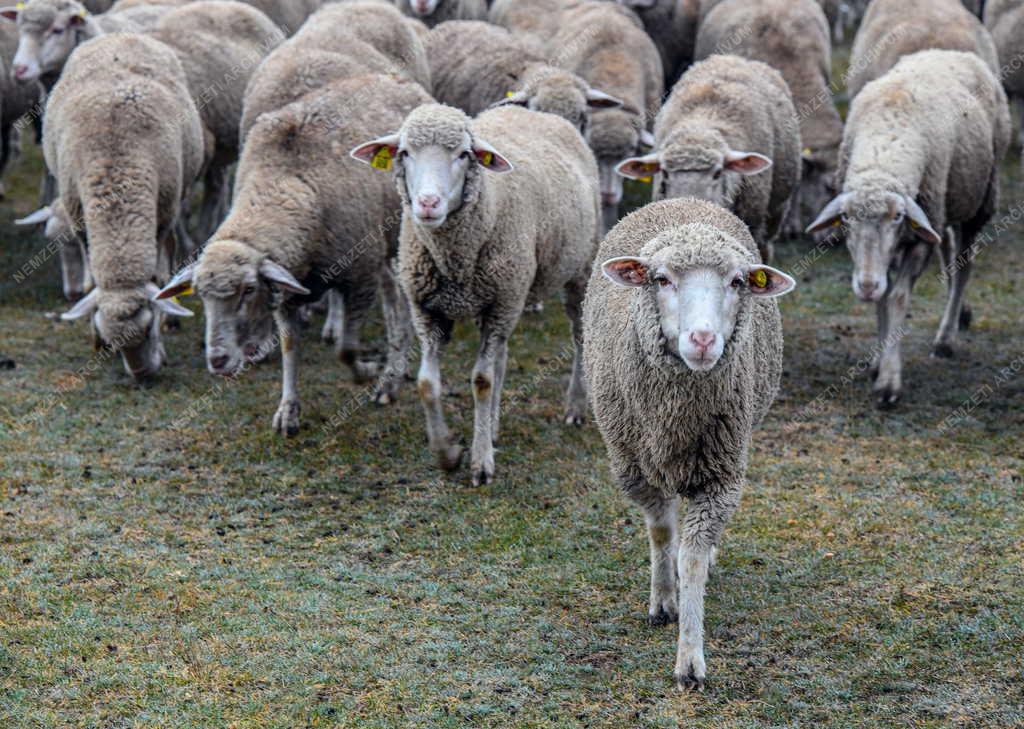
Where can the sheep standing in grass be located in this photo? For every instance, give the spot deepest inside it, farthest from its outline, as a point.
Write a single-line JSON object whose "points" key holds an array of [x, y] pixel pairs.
{"points": [[124, 140], [683, 343], [434, 12], [1005, 19], [479, 240], [16, 99], [606, 46], [792, 36], [893, 29], [726, 123], [920, 155], [476, 65]]}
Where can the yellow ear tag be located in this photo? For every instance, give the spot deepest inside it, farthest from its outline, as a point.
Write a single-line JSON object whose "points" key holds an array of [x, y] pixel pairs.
{"points": [[82, 13], [487, 159], [808, 152], [759, 278], [509, 94], [382, 159], [187, 292], [649, 168], [914, 225], [19, 6], [836, 223]]}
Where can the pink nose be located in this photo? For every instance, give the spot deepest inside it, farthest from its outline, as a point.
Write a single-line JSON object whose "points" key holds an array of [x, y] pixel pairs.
{"points": [[702, 339], [429, 203], [421, 6], [20, 70], [609, 198]]}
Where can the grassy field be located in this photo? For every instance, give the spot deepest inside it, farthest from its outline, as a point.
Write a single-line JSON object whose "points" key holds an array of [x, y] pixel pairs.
{"points": [[166, 561]]}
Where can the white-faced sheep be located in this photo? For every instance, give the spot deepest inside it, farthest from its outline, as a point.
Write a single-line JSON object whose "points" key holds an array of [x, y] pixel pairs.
{"points": [[434, 12], [1005, 19], [124, 140], [921, 152], [606, 46], [306, 221], [683, 342], [792, 36], [479, 240], [475, 65], [16, 100], [726, 123], [893, 29]]}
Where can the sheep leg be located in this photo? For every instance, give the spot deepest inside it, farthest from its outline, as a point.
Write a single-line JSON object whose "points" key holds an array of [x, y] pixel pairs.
{"points": [[74, 268], [662, 517], [958, 269], [286, 420], [486, 399], [609, 216], [576, 396], [500, 367], [334, 323], [357, 305], [399, 335], [431, 335], [889, 384], [703, 524], [215, 189]]}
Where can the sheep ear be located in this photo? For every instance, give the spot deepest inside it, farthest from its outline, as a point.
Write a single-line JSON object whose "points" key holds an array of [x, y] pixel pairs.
{"points": [[600, 100], [490, 158], [639, 168], [85, 307], [512, 98], [10, 14], [379, 154], [282, 278], [647, 139], [41, 215], [166, 305], [746, 163], [768, 282], [78, 19], [626, 271], [830, 215], [919, 222], [180, 285]]}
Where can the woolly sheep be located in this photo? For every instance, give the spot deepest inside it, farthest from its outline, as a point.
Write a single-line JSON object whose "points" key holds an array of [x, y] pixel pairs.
{"points": [[480, 240], [921, 152], [893, 29], [1005, 19], [683, 343], [672, 25], [16, 100], [533, 21], [793, 37], [727, 120], [287, 15], [338, 41], [292, 236], [607, 48], [433, 12], [76, 278], [476, 65], [124, 140]]}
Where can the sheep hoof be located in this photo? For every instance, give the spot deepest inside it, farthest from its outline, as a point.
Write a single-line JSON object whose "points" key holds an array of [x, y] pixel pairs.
{"points": [[966, 317], [450, 457], [887, 399], [661, 618], [286, 419], [689, 681], [482, 476], [383, 398], [942, 350]]}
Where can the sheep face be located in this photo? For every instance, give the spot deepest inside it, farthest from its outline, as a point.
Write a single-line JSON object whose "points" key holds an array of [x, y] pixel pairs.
{"points": [[48, 33], [614, 134], [698, 305], [423, 8], [875, 223], [560, 93]]}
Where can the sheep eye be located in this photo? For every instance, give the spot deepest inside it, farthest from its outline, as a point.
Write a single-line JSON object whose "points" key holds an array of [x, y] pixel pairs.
{"points": [[56, 31], [898, 219], [466, 155], [737, 282], [662, 281], [248, 290], [716, 174]]}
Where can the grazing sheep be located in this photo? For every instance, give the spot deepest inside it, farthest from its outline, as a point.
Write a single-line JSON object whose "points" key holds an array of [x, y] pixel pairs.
{"points": [[533, 21], [792, 36], [476, 65], [481, 240], [433, 12], [604, 45], [124, 140], [340, 40], [672, 25], [727, 120], [683, 343], [307, 221], [1005, 19], [893, 29], [16, 99], [921, 152]]}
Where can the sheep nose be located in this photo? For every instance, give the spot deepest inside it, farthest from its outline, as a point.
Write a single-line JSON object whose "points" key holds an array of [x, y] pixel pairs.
{"points": [[219, 362], [609, 198], [429, 203], [703, 339], [20, 70], [867, 288]]}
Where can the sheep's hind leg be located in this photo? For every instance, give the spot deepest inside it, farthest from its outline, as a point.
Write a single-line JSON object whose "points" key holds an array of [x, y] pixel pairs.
{"points": [[431, 335], [500, 366], [576, 396], [357, 305], [286, 419], [487, 401], [958, 268], [399, 335]]}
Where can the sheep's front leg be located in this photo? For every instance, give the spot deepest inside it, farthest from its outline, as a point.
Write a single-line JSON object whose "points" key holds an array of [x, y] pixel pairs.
{"points": [[487, 404], [399, 334], [705, 520], [357, 305], [500, 366], [334, 322], [286, 420], [889, 383], [431, 335], [74, 268], [576, 396], [957, 266], [661, 516]]}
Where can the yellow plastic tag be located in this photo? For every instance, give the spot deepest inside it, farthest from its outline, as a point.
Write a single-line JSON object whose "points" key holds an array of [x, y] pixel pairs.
{"points": [[187, 292], [648, 180], [759, 278], [509, 94], [382, 160], [808, 151], [914, 225], [487, 159], [836, 223], [20, 6], [649, 167]]}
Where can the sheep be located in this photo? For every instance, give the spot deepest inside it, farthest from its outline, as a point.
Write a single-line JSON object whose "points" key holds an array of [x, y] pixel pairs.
{"points": [[124, 140], [434, 12], [727, 120], [476, 244], [792, 36], [76, 278], [672, 25], [896, 28], [533, 21], [287, 15], [476, 65], [338, 41], [607, 48], [16, 100], [1005, 19], [306, 221], [921, 152], [683, 343]]}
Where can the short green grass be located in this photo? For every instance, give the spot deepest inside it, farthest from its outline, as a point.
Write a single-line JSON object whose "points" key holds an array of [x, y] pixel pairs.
{"points": [[166, 561]]}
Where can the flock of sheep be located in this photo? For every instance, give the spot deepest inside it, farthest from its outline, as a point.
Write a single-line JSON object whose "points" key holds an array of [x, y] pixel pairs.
{"points": [[471, 168]]}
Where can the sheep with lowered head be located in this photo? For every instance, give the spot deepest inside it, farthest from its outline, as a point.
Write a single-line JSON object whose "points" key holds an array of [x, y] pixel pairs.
{"points": [[920, 155], [1005, 20], [481, 239], [726, 123], [683, 342], [434, 12], [124, 140]]}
